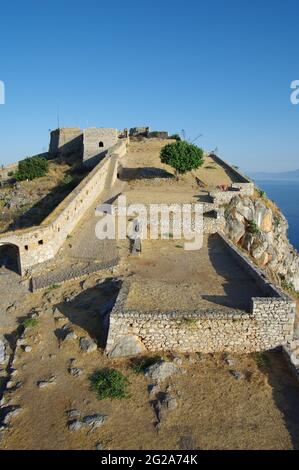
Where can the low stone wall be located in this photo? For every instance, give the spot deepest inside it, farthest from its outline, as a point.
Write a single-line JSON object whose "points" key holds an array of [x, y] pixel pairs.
{"points": [[240, 178], [270, 322], [38, 244], [224, 197], [268, 289]]}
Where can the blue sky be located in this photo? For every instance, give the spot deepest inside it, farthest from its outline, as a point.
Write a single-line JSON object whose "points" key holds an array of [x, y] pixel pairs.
{"points": [[218, 68]]}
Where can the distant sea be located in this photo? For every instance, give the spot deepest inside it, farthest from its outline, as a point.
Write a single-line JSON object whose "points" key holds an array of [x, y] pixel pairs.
{"points": [[285, 193]]}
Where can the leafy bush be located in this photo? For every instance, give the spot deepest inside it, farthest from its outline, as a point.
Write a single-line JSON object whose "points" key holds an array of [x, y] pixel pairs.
{"points": [[262, 193], [182, 156], [31, 168], [30, 322], [109, 383], [253, 227], [139, 365]]}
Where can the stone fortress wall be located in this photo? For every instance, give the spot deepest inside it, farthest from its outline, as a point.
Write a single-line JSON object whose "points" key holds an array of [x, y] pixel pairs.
{"points": [[269, 323], [41, 243], [242, 184], [91, 144], [65, 141]]}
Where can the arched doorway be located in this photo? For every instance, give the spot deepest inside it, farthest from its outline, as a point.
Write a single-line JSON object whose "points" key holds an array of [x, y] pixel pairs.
{"points": [[10, 257]]}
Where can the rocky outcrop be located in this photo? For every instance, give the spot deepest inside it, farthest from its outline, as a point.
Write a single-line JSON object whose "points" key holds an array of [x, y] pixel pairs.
{"points": [[127, 346], [259, 227]]}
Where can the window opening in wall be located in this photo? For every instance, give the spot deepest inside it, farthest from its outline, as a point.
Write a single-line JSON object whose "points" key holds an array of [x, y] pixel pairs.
{"points": [[40, 242], [26, 247], [101, 144]]}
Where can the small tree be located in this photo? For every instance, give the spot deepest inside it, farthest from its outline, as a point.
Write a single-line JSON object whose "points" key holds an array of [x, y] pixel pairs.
{"points": [[182, 156], [31, 168]]}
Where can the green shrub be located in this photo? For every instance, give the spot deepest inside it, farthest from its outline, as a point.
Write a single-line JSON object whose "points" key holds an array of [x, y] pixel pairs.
{"points": [[253, 227], [30, 322], [277, 220], [10, 173], [262, 360], [182, 156], [139, 365], [262, 193], [31, 168], [52, 287], [191, 322], [109, 383]]}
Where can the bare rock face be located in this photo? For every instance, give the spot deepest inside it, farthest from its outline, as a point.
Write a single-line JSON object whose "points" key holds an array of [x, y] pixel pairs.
{"points": [[266, 223], [127, 346], [262, 232], [161, 370], [5, 350], [87, 345], [165, 403], [236, 229]]}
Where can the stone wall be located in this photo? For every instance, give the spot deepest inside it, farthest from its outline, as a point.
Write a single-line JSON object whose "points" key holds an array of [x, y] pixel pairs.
{"points": [[38, 244], [66, 141], [269, 323], [237, 175], [96, 142]]}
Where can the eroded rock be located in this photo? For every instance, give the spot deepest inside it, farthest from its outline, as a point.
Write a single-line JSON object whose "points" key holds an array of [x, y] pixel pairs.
{"points": [[127, 346]]}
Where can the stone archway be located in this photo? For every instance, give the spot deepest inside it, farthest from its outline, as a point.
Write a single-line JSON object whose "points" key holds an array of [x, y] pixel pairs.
{"points": [[10, 257]]}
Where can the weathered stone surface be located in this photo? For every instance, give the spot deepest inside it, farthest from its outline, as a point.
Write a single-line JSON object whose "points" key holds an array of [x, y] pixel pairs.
{"points": [[165, 403], [73, 413], [266, 223], [237, 375], [10, 413], [96, 420], [46, 383], [89, 421], [75, 371], [87, 345], [236, 229], [75, 425], [161, 370], [5, 350], [127, 346]]}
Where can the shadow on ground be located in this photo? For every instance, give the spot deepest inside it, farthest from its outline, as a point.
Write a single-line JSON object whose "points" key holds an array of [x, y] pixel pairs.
{"points": [[238, 286], [285, 391], [127, 174], [90, 310]]}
